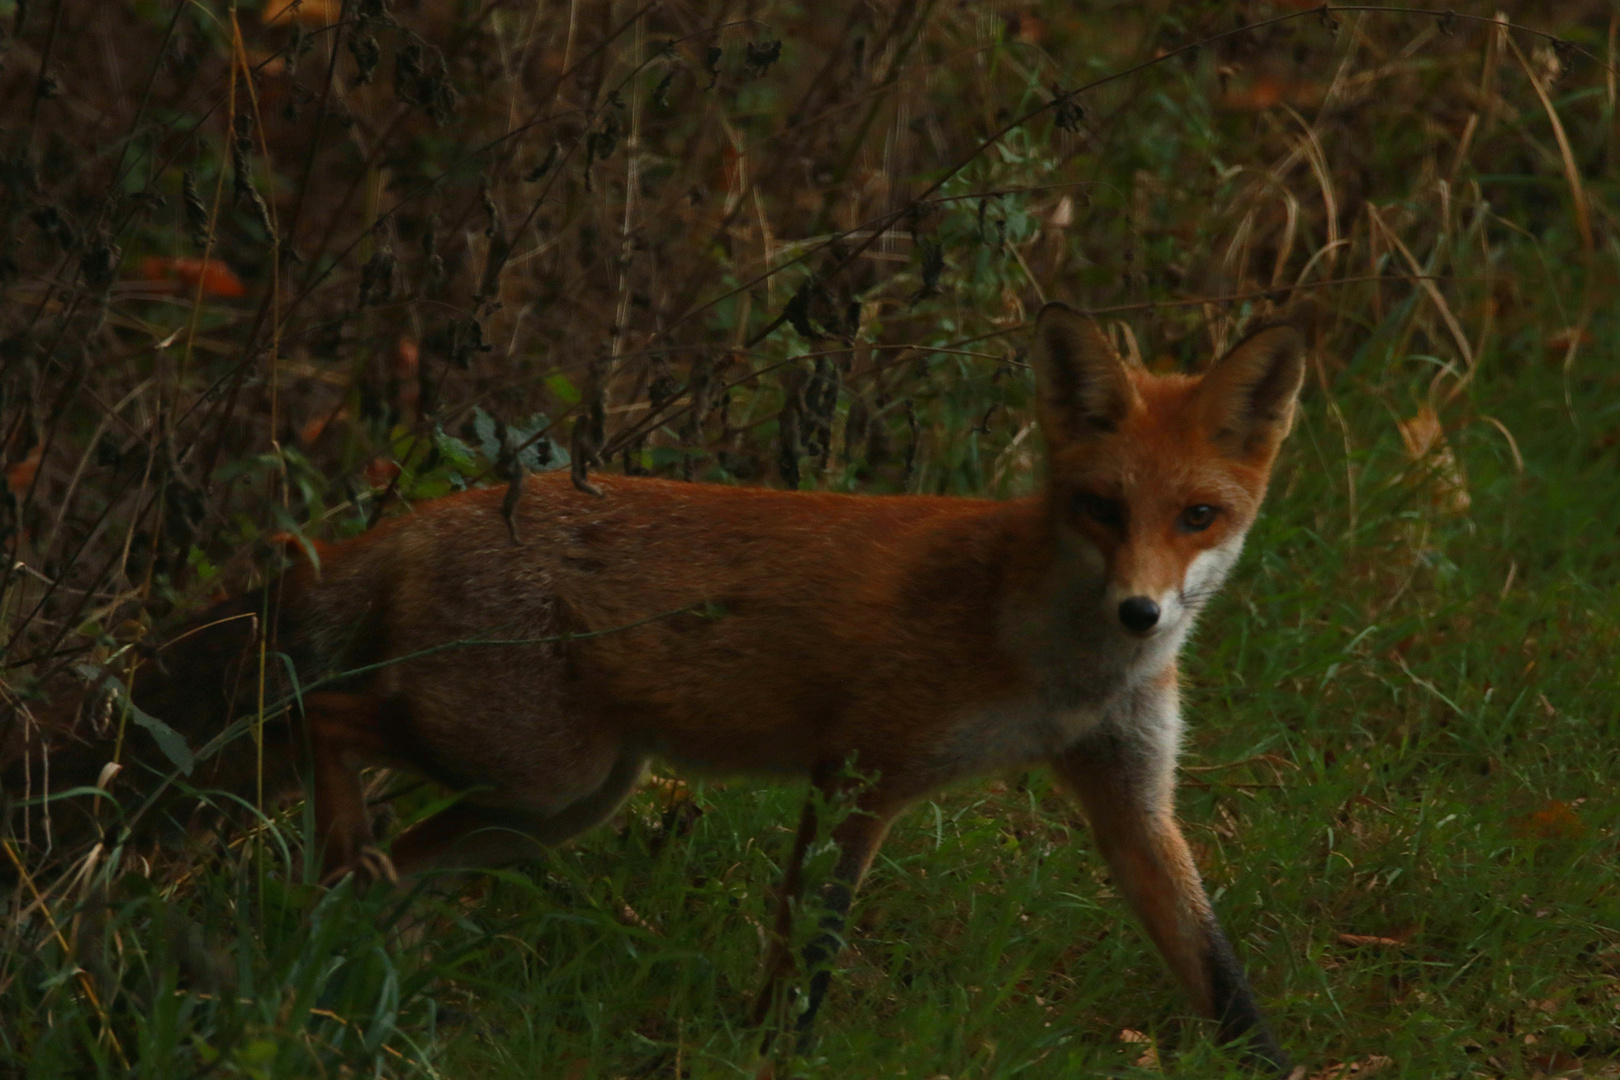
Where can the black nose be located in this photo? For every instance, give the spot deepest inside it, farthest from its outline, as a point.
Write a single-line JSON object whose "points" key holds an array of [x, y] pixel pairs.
{"points": [[1139, 614]]}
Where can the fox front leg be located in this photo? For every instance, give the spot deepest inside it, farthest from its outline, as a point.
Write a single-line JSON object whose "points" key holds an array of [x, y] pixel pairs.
{"points": [[1124, 778]]}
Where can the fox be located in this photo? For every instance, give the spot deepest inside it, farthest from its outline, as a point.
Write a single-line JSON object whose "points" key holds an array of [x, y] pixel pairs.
{"points": [[535, 658]]}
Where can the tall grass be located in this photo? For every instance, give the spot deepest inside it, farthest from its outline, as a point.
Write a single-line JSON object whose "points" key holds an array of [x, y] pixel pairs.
{"points": [[294, 269]]}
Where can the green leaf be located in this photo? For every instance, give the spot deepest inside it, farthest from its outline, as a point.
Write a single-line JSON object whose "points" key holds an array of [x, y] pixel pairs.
{"points": [[565, 389], [170, 741]]}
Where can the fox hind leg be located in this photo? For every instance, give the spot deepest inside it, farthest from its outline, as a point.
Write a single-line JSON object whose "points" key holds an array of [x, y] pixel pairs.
{"points": [[476, 834], [857, 838], [780, 959], [343, 730]]}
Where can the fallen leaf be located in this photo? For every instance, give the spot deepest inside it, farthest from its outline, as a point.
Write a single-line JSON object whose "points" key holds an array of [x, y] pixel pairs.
{"points": [[406, 362], [381, 471], [672, 786], [1268, 91], [1355, 1070], [1363, 940], [20, 474], [267, 65], [733, 167], [406, 357], [1026, 26], [312, 429], [212, 275], [1557, 1063], [1150, 1056], [631, 916], [1426, 445], [1062, 214], [1561, 339], [1556, 820]]}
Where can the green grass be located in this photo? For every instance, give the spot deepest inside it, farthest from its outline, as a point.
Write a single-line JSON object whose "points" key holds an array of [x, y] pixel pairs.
{"points": [[1437, 770], [1404, 711]]}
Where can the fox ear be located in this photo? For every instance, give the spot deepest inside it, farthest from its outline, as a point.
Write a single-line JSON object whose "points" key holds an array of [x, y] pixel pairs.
{"points": [[1081, 385], [1247, 396]]}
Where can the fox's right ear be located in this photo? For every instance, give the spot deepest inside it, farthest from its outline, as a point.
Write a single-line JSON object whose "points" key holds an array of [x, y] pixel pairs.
{"points": [[1081, 385], [1249, 394]]}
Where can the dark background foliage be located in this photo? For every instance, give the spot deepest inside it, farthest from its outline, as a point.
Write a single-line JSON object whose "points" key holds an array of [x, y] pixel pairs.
{"points": [[293, 268]]}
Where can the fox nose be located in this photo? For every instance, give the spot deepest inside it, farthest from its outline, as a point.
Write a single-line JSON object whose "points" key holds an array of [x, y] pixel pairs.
{"points": [[1139, 614]]}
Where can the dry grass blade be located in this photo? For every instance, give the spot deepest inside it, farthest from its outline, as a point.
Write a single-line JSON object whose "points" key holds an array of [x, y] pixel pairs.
{"points": [[1426, 282], [1572, 171], [1577, 195]]}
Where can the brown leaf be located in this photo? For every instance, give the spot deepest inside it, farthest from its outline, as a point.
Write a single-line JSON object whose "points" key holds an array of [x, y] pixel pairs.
{"points": [[1150, 1055], [380, 471], [1556, 1063], [315, 427], [20, 474], [1026, 26], [1559, 341], [1556, 820], [1426, 445], [213, 276], [1266, 91], [1364, 940], [1371, 1065], [406, 357]]}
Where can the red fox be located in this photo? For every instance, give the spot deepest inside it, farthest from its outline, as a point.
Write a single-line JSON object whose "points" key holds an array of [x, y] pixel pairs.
{"points": [[746, 630]]}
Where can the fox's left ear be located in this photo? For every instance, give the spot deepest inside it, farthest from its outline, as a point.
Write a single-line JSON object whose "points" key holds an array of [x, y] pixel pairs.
{"points": [[1247, 396]]}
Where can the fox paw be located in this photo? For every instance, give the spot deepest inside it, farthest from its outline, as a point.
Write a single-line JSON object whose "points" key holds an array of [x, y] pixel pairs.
{"points": [[369, 863], [375, 865]]}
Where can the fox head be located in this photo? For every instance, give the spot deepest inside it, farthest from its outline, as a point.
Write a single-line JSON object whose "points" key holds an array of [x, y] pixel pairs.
{"points": [[1155, 479]]}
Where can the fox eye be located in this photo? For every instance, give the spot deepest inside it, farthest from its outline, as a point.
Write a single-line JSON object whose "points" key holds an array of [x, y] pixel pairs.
{"points": [[1197, 518], [1109, 512]]}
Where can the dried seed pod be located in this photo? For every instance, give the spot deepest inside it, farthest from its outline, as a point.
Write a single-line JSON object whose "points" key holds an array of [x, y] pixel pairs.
{"points": [[367, 55], [99, 264], [584, 454], [196, 212], [761, 56], [1066, 115], [699, 385], [820, 406], [511, 465], [911, 449], [790, 426], [377, 277], [933, 265], [855, 428]]}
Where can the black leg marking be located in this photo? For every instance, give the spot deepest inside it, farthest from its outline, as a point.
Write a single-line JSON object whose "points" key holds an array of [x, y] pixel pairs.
{"points": [[818, 956], [1235, 1006]]}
